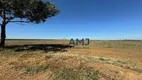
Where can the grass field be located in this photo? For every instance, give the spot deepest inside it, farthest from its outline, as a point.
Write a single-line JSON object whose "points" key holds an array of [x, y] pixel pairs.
{"points": [[56, 60]]}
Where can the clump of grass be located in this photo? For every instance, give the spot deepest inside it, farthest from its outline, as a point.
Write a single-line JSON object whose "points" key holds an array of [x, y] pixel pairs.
{"points": [[31, 70], [8, 52], [103, 59], [48, 56], [137, 69], [80, 73], [122, 62]]}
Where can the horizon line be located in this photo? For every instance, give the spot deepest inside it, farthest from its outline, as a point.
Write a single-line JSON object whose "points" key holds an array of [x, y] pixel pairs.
{"points": [[66, 39]]}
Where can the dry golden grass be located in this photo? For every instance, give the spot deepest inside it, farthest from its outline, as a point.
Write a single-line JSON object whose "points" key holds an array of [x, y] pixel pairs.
{"points": [[104, 60]]}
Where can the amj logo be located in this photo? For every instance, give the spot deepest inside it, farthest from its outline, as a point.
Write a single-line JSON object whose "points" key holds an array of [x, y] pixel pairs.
{"points": [[83, 42]]}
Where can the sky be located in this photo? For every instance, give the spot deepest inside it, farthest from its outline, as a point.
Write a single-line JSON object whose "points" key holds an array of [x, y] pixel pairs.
{"points": [[94, 19]]}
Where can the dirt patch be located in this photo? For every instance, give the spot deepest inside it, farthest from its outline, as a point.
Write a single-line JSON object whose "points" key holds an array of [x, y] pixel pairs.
{"points": [[115, 73]]}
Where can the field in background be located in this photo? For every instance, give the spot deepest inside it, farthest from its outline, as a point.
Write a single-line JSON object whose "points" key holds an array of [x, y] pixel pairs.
{"points": [[56, 60]]}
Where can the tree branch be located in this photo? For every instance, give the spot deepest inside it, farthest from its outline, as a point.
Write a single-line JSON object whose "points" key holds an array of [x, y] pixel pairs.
{"points": [[1, 15], [21, 21], [9, 19]]}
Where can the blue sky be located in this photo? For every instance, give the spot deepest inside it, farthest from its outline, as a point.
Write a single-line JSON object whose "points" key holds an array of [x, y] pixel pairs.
{"points": [[94, 19]]}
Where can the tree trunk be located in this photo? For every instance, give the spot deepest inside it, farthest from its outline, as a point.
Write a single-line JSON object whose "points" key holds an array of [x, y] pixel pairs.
{"points": [[3, 35]]}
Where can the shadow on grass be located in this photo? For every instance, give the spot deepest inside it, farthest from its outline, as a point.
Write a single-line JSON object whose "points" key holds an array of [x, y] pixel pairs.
{"points": [[35, 47]]}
